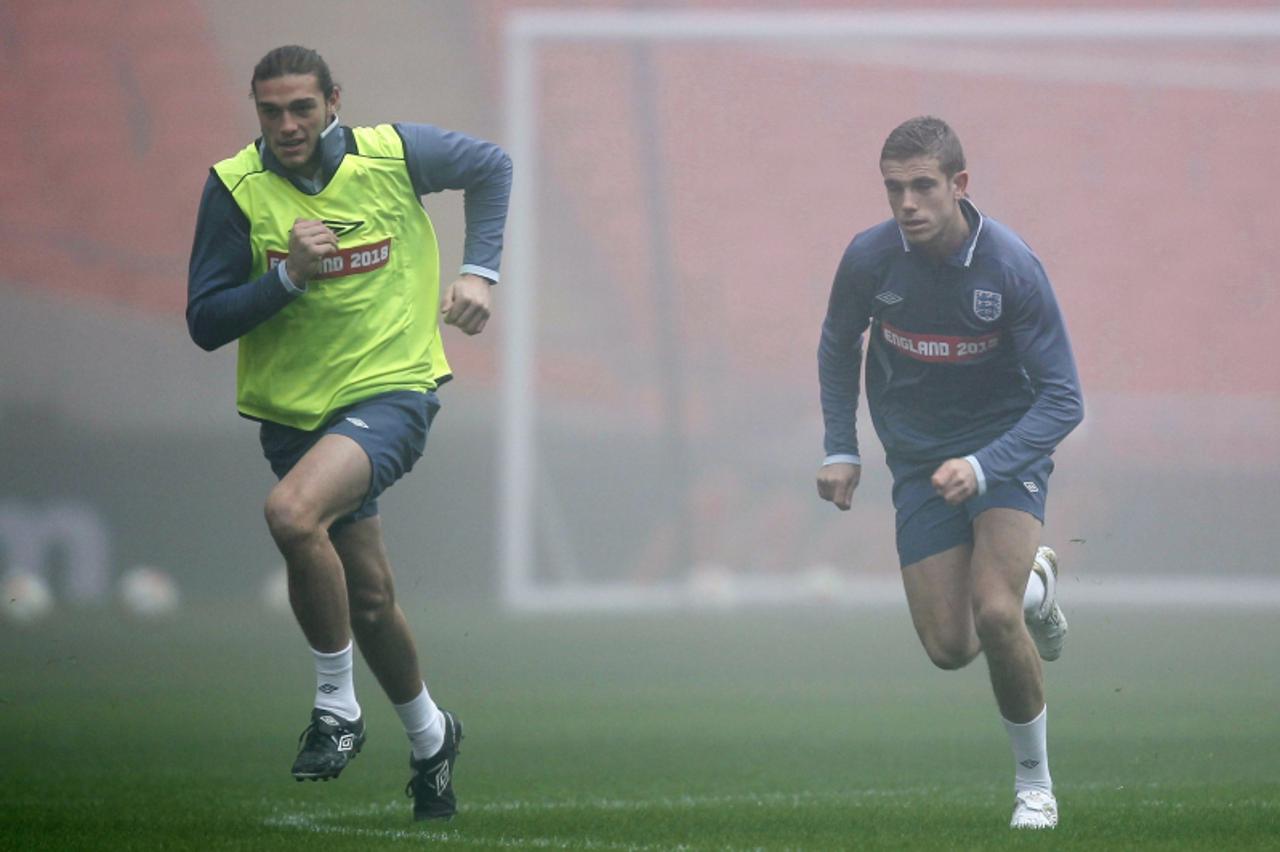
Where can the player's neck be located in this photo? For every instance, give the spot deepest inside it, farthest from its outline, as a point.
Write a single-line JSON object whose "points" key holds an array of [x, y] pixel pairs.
{"points": [[951, 239], [311, 169]]}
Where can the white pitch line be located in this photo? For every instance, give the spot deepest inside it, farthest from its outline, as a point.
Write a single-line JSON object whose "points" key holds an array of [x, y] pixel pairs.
{"points": [[324, 820], [456, 837], [795, 799], [798, 798]]}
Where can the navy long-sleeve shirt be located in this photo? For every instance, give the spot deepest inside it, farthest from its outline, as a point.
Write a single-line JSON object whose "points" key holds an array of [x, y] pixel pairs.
{"points": [[224, 304], [968, 356]]}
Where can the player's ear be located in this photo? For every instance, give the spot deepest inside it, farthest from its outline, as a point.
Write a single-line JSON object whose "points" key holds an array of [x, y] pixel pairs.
{"points": [[960, 184], [334, 101]]}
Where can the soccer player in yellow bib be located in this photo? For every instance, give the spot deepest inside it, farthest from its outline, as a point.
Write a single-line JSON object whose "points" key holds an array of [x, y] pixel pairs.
{"points": [[313, 250]]}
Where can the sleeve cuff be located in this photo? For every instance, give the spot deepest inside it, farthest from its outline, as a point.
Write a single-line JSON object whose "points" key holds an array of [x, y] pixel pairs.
{"points": [[842, 458], [977, 471], [483, 272], [288, 285]]}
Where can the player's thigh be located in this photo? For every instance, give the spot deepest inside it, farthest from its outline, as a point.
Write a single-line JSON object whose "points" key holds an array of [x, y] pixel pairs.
{"points": [[934, 542], [1007, 521], [330, 480], [939, 595], [1004, 546]]}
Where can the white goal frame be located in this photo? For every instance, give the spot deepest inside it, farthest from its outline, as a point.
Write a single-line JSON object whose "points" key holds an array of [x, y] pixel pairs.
{"points": [[528, 30]]}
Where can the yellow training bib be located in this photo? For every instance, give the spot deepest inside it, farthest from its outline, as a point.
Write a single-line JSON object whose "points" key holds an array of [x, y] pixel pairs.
{"points": [[368, 322]]}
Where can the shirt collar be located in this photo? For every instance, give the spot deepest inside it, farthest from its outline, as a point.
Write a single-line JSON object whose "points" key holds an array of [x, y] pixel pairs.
{"points": [[962, 256], [333, 147]]}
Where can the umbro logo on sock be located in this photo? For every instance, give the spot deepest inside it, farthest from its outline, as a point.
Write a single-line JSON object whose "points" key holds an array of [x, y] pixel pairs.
{"points": [[328, 688], [1029, 763], [356, 421]]}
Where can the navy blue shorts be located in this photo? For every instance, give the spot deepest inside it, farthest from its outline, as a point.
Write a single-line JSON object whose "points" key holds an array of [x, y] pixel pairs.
{"points": [[391, 428], [927, 525]]}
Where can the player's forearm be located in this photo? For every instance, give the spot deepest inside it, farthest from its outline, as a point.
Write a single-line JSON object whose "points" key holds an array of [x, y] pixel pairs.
{"points": [[1058, 409], [217, 315], [839, 370], [222, 303]]}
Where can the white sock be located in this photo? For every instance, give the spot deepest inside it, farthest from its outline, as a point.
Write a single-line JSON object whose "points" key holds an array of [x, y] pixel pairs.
{"points": [[424, 723], [335, 687], [1030, 753], [1033, 597]]}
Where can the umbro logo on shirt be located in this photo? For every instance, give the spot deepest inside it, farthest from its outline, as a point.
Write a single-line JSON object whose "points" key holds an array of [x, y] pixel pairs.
{"points": [[341, 227], [1031, 486], [888, 297], [356, 421]]}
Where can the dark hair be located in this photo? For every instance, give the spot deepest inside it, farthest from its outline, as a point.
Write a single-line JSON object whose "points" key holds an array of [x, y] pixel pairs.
{"points": [[925, 136], [292, 59]]}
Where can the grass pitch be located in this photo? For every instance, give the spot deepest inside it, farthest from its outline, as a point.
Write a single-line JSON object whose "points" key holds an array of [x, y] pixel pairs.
{"points": [[809, 729]]}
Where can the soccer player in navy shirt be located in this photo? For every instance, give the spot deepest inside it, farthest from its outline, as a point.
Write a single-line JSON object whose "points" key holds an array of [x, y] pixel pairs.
{"points": [[971, 385]]}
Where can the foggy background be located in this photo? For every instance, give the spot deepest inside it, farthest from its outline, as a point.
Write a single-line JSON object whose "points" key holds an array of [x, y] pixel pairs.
{"points": [[690, 203]]}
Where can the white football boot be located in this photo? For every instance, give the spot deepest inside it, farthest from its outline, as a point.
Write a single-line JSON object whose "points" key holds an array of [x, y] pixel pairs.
{"points": [[1034, 809], [1047, 625]]}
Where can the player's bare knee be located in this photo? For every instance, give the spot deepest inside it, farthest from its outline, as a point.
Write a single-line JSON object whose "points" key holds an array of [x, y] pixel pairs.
{"points": [[997, 624], [371, 607], [949, 654], [286, 519], [946, 659]]}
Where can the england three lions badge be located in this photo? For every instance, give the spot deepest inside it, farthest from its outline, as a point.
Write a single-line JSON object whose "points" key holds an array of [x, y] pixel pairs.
{"points": [[986, 305]]}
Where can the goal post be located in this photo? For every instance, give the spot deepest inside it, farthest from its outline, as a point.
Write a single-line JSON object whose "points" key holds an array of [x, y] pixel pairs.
{"points": [[606, 371]]}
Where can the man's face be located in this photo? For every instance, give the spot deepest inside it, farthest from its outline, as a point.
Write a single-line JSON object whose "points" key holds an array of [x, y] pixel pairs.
{"points": [[292, 112], [925, 203]]}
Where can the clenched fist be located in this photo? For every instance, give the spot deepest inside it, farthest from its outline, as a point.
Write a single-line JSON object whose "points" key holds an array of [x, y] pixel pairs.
{"points": [[837, 482], [466, 303], [310, 242], [955, 481]]}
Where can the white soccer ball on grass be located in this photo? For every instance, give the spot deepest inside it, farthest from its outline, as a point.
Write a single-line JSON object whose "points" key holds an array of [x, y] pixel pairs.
{"points": [[148, 592], [275, 590], [712, 584], [27, 598]]}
